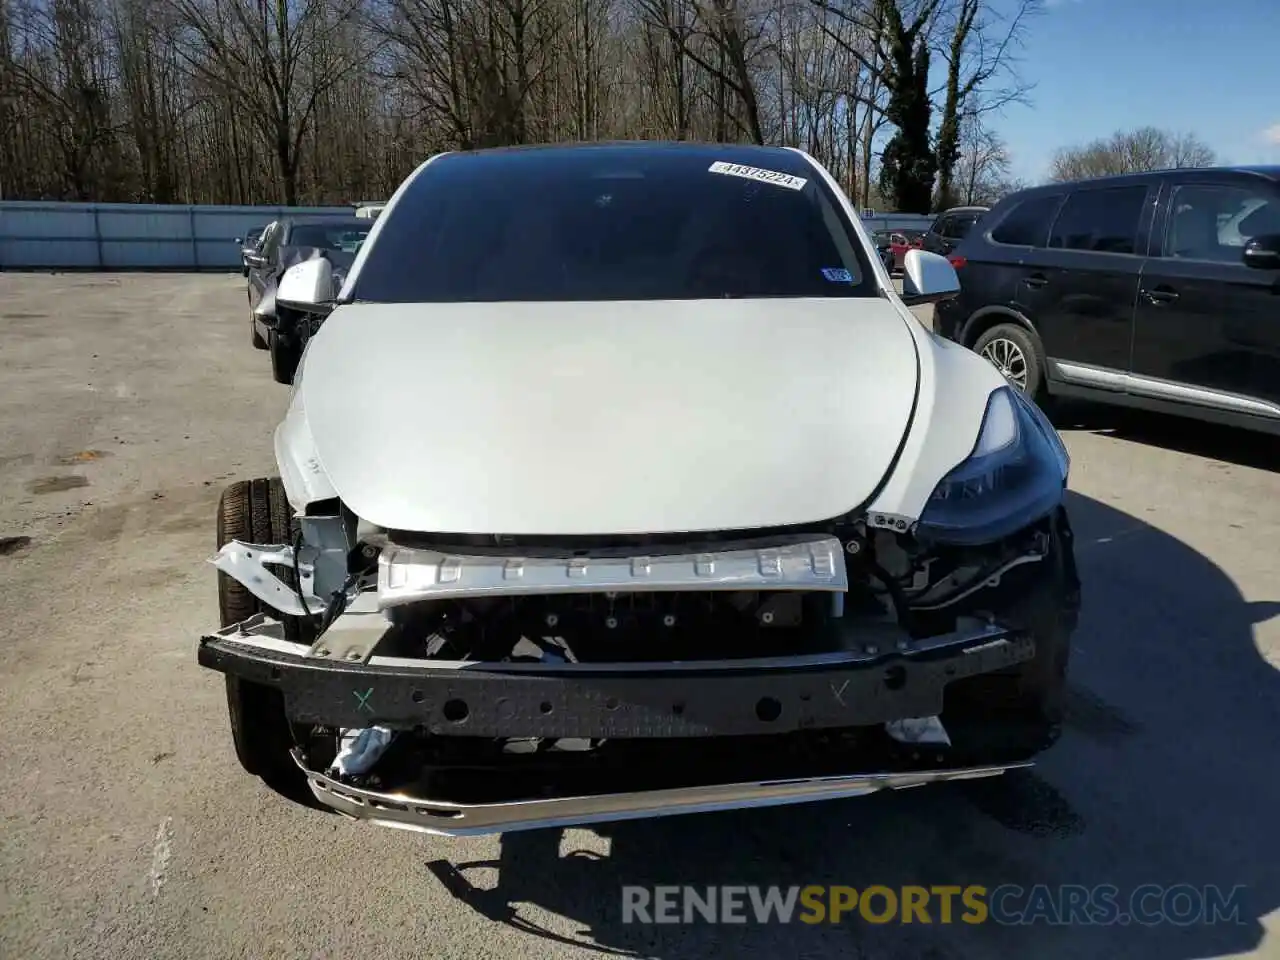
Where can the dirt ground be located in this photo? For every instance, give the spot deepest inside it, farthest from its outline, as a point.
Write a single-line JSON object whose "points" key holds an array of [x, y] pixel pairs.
{"points": [[127, 402]]}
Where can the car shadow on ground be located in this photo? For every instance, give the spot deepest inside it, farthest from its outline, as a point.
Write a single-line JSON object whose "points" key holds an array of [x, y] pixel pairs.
{"points": [[1247, 448], [1165, 776]]}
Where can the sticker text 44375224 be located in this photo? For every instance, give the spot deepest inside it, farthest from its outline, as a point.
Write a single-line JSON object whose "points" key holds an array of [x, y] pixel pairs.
{"points": [[755, 173]]}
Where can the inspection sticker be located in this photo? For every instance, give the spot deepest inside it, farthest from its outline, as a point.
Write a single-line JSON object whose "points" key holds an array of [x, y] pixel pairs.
{"points": [[837, 274], [755, 173]]}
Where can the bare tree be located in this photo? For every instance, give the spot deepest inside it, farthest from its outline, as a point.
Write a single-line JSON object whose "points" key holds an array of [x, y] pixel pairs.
{"points": [[589, 31], [1188, 150], [982, 167], [725, 39], [857, 33], [980, 52], [894, 46], [1131, 151], [276, 57], [63, 72], [669, 27], [143, 33], [330, 101]]}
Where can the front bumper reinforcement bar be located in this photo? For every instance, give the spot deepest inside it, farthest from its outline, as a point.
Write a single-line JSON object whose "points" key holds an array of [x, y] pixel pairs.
{"points": [[891, 679]]}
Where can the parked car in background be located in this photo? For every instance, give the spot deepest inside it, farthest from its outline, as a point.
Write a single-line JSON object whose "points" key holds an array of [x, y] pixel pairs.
{"points": [[893, 246], [883, 241], [901, 243], [248, 243], [950, 228], [1156, 290], [284, 243], [370, 211]]}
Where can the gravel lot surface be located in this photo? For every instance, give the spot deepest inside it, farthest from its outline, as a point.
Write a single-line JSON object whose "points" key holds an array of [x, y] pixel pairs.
{"points": [[128, 401]]}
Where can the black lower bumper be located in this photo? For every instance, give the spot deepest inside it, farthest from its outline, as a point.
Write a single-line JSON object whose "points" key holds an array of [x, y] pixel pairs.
{"points": [[621, 700]]}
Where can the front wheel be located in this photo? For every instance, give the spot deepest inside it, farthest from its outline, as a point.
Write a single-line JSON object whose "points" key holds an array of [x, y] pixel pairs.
{"points": [[1013, 714], [257, 511], [1012, 350]]}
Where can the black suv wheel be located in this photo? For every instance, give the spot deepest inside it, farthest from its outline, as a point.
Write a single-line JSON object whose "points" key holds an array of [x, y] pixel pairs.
{"points": [[1012, 350]]}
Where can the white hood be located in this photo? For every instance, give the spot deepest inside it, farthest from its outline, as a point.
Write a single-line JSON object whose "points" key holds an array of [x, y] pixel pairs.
{"points": [[599, 418]]}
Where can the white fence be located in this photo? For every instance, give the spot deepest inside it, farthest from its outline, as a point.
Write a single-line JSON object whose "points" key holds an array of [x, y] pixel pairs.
{"points": [[40, 235], [131, 236], [898, 221]]}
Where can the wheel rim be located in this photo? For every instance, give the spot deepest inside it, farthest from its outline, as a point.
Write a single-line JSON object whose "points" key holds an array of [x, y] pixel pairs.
{"points": [[1007, 357]]}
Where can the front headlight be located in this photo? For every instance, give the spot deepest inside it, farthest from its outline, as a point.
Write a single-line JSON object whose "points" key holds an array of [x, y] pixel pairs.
{"points": [[1016, 474]]}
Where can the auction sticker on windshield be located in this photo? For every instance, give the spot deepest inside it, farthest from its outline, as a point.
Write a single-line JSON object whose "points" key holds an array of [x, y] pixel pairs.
{"points": [[755, 173]]}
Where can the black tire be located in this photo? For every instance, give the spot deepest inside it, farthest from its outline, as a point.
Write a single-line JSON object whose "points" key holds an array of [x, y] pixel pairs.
{"points": [[257, 511], [284, 358], [1042, 683], [1026, 343], [1014, 714]]}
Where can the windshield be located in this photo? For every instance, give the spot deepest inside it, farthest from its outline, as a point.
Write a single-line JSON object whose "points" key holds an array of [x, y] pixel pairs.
{"points": [[614, 223], [963, 224], [329, 236]]}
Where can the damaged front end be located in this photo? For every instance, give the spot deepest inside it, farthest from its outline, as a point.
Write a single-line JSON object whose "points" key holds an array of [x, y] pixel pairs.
{"points": [[472, 684]]}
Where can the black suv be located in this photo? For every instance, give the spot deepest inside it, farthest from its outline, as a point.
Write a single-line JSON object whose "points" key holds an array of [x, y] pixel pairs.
{"points": [[951, 227], [1157, 290]]}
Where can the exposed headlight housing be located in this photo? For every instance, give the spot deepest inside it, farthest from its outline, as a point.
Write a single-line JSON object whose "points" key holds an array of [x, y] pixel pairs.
{"points": [[1016, 474]]}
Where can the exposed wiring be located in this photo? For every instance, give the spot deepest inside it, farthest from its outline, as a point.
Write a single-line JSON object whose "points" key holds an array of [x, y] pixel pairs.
{"points": [[297, 581], [901, 609], [337, 602], [979, 581]]}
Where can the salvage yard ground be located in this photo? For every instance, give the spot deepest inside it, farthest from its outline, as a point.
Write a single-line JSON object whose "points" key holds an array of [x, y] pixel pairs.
{"points": [[126, 404]]}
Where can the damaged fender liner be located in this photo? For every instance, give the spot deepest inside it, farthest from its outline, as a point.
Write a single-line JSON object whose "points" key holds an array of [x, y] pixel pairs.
{"points": [[620, 700]]}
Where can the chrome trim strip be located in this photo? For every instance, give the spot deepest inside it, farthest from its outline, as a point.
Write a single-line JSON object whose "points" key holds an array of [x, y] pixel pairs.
{"points": [[1201, 396], [462, 820], [410, 575], [1101, 377], [1107, 379]]}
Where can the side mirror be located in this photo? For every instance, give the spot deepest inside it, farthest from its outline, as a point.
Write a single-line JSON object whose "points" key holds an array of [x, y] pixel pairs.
{"points": [[927, 278], [1263, 252], [255, 260], [307, 287]]}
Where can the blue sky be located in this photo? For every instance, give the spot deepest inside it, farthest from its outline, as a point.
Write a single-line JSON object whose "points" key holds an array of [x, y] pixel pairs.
{"points": [[1210, 68]]}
